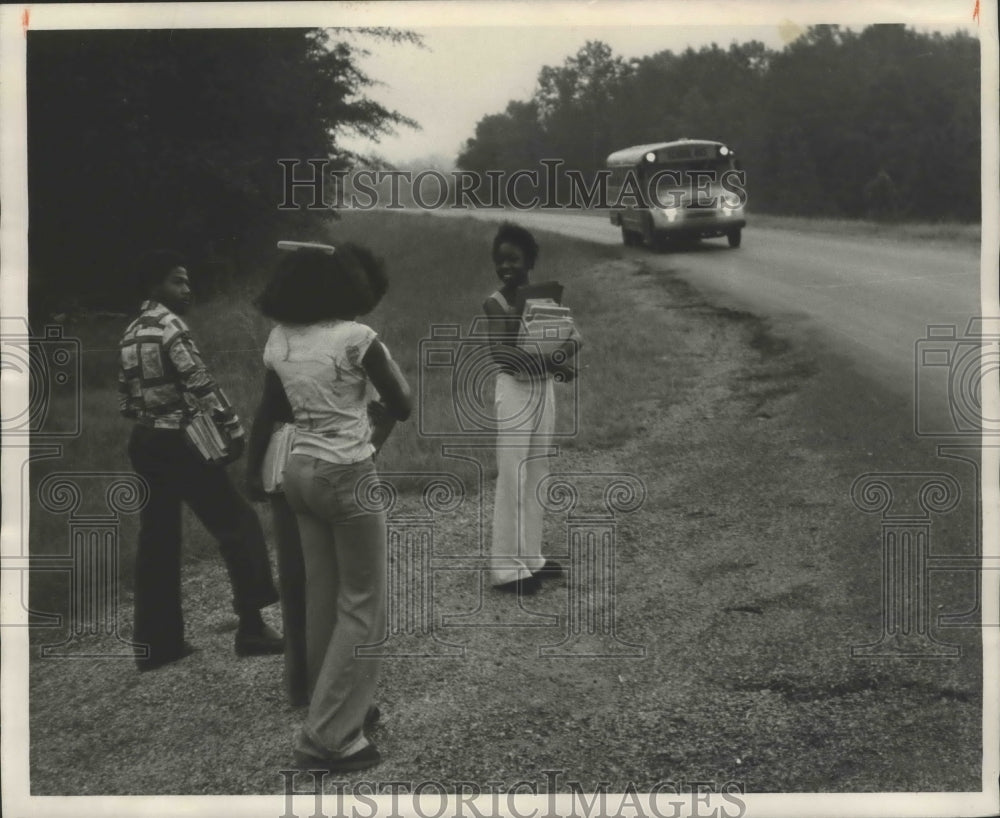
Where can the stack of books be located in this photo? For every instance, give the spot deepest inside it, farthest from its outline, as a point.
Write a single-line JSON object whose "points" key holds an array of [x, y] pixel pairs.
{"points": [[546, 324], [209, 441], [279, 447]]}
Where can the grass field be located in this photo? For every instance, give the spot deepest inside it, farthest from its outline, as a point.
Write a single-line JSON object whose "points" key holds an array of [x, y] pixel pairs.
{"points": [[440, 272], [894, 231], [746, 576]]}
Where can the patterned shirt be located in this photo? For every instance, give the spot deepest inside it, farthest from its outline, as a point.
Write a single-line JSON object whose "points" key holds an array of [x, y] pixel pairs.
{"points": [[162, 380]]}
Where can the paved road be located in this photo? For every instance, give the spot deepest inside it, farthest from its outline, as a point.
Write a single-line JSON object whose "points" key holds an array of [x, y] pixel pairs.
{"points": [[866, 298]]}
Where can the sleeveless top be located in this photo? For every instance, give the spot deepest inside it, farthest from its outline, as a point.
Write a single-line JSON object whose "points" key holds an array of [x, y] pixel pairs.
{"points": [[508, 366], [509, 309]]}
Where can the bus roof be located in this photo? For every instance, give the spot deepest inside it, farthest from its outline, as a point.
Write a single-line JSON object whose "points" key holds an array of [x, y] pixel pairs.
{"points": [[634, 155]]}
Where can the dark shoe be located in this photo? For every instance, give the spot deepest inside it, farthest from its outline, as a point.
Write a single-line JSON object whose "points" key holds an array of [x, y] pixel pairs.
{"points": [[361, 760], [263, 642], [550, 570], [526, 586], [158, 661]]}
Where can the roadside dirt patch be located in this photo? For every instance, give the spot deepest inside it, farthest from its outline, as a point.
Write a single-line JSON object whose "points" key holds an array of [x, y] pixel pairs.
{"points": [[722, 653]]}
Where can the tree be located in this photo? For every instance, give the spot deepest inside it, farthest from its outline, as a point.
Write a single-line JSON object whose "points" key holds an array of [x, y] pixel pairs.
{"points": [[577, 104], [171, 138], [508, 141], [812, 124]]}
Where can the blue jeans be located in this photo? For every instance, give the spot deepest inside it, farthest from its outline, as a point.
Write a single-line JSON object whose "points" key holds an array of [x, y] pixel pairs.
{"points": [[344, 548]]}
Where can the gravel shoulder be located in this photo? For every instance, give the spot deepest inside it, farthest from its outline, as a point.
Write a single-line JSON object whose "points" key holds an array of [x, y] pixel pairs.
{"points": [[744, 578]]}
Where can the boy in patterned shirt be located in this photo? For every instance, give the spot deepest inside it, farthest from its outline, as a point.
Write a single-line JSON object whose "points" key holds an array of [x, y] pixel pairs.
{"points": [[163, 382]]}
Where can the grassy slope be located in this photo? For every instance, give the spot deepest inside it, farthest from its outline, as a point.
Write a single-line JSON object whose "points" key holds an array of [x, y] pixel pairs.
{"points": [[746, 575], [439, 274]]}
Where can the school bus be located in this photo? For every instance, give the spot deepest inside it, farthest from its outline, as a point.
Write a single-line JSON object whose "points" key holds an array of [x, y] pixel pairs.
{"points": [[688, 188]]}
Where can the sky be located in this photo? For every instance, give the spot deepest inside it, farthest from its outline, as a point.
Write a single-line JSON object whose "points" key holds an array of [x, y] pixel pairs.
{"points": [[480, 55], [466, 72]]}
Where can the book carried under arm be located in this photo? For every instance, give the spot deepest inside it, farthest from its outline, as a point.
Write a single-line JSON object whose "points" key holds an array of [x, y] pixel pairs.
{"points": [[208, 437], [546, 326]]}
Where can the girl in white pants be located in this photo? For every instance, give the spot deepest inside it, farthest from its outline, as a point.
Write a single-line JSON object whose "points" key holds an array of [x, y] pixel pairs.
{"points": [[525, 414]]}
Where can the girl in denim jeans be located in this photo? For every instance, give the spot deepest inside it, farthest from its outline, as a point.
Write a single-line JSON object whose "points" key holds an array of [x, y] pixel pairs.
{"points": [[327, 364]]}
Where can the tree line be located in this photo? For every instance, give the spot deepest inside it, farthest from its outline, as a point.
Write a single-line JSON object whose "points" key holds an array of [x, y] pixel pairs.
{"points": [[170, 138], [146, 138], [882, 123]]}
